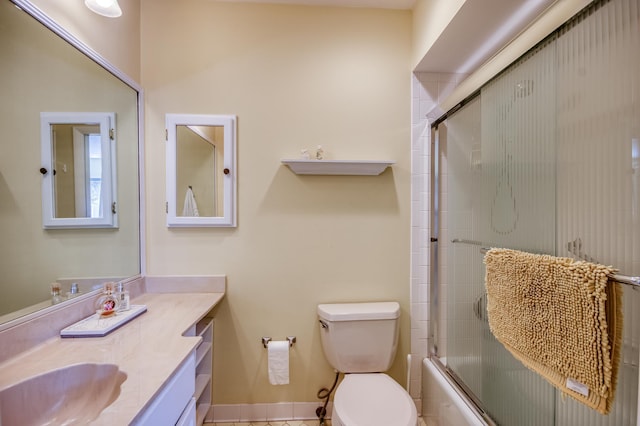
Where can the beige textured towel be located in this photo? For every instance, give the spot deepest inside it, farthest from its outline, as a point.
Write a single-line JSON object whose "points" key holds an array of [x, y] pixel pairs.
{"points": [[561, 318]]}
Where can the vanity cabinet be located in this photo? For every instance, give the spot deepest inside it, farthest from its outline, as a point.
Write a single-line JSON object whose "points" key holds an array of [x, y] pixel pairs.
{"points": [[169, 406], [204, 362], [186, 398], [188, 417]]}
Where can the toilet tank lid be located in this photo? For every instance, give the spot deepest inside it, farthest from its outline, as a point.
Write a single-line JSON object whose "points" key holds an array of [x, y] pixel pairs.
{"points": [[359, 311]]}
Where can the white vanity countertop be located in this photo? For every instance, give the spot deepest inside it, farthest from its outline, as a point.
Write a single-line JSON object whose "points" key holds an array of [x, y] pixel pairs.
{"points": [[148, 349]]}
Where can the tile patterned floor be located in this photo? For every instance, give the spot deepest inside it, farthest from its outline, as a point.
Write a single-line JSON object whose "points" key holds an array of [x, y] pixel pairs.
{"points": [[421, 422], [274, 423]]}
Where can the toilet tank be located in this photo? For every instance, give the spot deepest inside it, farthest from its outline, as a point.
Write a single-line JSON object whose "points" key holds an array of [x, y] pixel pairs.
{"points": [[359, 337]]}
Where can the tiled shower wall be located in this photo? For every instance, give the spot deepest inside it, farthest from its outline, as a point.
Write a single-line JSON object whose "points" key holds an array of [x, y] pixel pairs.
{"points": [[428, 90]]}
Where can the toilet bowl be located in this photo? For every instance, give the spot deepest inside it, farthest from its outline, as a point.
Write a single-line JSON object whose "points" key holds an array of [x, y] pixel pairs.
{"points": [[372, 400], [360, 340]]}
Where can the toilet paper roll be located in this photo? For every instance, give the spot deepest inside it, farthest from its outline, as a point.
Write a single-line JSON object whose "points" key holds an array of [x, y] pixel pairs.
{"points": [[278, 360]]}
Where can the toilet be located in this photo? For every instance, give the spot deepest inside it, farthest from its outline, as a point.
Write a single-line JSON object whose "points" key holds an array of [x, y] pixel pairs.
{"points": [[360, 340]]}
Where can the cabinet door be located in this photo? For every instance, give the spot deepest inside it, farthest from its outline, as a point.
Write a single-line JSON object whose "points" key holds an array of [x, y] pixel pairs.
{"points": [[188, 417], [172, 399]]}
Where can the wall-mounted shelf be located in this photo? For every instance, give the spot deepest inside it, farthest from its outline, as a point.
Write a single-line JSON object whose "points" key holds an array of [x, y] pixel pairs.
{"points": [[337, 167]]}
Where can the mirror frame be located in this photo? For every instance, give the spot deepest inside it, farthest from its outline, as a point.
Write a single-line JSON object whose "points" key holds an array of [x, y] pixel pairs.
{"points": [[108, 193], [229, 174], [36, 311]]}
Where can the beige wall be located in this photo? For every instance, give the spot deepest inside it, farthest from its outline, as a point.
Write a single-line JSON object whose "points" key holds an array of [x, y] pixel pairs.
{"points": [[430, 18], [117, 40], [296, 77]]}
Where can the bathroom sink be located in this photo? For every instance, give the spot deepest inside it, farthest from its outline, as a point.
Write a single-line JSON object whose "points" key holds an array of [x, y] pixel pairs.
{"points": [[72, 395]]}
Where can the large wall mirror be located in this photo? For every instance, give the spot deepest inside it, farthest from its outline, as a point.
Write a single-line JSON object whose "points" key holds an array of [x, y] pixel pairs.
{"points": [[45, 70], [201, 170]]}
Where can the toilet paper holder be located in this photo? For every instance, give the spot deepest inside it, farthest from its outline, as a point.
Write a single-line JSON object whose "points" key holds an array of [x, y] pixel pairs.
{"points": [[266, 340]]}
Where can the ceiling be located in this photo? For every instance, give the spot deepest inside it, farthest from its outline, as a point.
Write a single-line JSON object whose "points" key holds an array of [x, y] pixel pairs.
{"points": [[478, 31], [382, 4]]}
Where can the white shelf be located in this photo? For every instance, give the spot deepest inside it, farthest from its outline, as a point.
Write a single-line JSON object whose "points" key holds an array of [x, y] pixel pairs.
{"points": [[337, 167], [204, 363], [202, 350], [202, 327], [201, 413], [202, 381]]}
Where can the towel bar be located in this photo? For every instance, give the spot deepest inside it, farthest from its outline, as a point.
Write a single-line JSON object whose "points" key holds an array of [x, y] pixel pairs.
{"points": [[622, 279]]}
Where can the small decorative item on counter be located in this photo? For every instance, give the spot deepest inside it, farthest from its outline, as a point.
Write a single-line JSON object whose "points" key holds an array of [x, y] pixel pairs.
{"points": [[73, 291], [304, 154], [123, 298], [107, 304], [319, 153], [55, 294]]}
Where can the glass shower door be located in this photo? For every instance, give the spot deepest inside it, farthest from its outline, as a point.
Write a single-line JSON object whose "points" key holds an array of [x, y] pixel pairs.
{"points": [[500, 167], [519, 211], [546, 160]]}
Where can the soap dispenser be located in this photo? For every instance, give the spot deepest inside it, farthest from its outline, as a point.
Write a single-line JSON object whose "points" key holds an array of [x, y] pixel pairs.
{"points": [[123, 298]]}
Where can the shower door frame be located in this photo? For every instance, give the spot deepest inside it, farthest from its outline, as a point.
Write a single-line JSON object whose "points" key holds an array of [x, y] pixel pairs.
{"points": [[434, 285]]}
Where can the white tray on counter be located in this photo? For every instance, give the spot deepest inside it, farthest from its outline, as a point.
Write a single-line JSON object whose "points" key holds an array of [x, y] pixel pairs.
{"points": [[96, 326]]}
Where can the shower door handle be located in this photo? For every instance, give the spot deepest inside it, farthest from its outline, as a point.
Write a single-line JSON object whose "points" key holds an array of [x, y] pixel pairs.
{"points": [[478, 307]]}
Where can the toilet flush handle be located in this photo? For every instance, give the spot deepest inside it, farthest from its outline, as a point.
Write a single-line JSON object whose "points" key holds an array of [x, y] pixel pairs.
{"points": [[323, 324]]}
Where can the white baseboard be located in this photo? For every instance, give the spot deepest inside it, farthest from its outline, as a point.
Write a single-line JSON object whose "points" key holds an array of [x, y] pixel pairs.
{"points": [[277, 411]]}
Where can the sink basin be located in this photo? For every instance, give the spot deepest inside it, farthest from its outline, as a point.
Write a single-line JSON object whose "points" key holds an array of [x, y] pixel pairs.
{"points": [[76, 394]]}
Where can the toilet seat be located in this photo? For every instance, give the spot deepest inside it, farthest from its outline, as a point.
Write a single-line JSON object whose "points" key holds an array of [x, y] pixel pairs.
{"points": [[372, 400]]}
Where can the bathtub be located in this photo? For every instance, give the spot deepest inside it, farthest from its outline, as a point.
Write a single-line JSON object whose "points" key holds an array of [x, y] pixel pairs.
{"points": [[442, 405]]}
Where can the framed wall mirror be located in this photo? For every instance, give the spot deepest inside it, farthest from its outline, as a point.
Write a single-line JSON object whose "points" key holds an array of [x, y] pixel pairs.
{"points": [[201, 170], [44, 68], [79, 185]]}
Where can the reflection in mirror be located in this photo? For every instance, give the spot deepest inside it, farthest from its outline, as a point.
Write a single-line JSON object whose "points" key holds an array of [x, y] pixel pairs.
{"points": [[78, 170], [197, 151], [77, 151], [201, 170], [42, 71]]}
